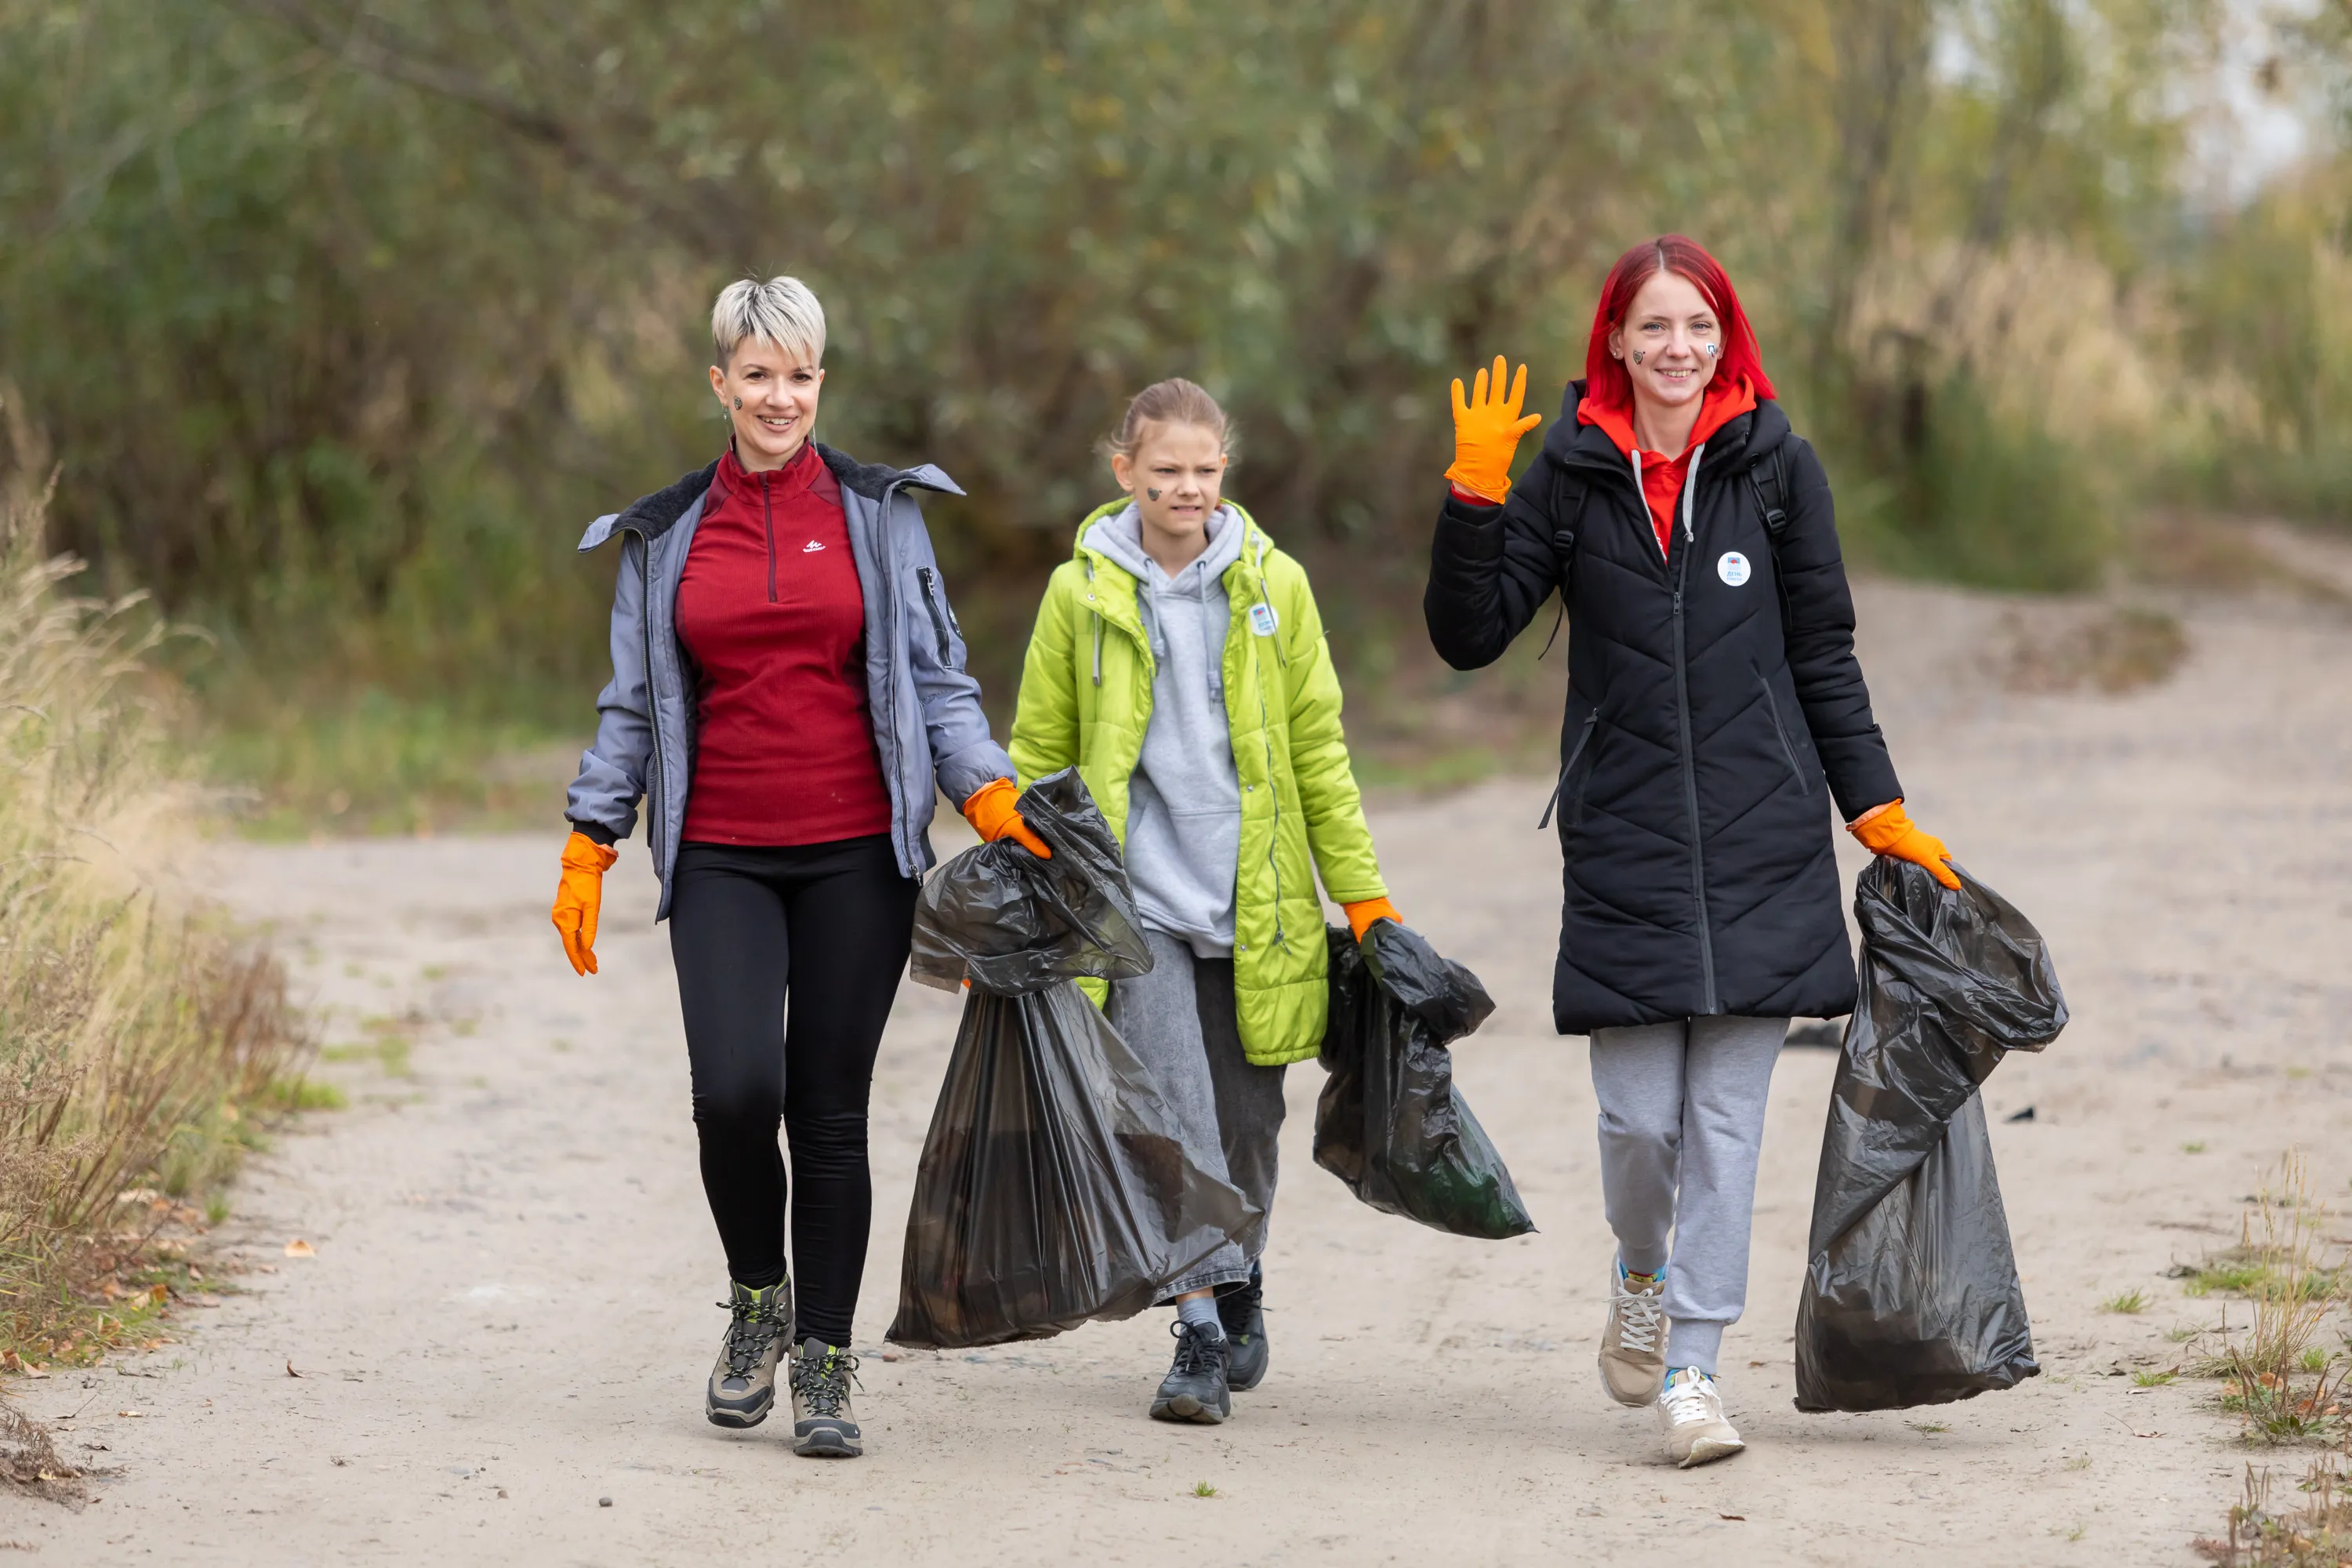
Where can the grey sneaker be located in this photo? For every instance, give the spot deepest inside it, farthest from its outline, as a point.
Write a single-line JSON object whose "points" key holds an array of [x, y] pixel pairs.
{"points": [[1195, 1388], [1242, 1311], [824, 1427], [744, 1382], [1633, 1346]]}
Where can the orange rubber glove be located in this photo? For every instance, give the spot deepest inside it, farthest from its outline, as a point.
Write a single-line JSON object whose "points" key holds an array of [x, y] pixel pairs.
{"points": [[1888, 831], [1362, 915], [992, 814], [1486, 431], [579, 895]]}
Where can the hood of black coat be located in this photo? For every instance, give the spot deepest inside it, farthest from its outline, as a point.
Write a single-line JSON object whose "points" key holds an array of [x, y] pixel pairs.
{"points": [[1752, 435]]}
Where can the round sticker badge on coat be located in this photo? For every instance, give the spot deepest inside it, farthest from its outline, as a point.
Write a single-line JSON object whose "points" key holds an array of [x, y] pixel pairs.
{"points": [[1732, 568]]}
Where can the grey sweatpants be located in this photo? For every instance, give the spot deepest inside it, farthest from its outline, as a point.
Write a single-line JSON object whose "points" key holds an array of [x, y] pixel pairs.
{"points": [[1682, 1123], [1179, 1020]]}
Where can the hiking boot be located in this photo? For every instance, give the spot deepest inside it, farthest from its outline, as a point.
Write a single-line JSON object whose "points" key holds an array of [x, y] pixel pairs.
{"points": [[1242, 1311], [823, 1424], [1692, 1413], [1633, 1357], [1195, 1388], [743, 1380]]}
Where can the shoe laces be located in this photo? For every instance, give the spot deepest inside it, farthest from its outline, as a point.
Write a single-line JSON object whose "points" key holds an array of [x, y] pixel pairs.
{"points": [[822, 1380], [1639, 1315], [1236, 1307], [1196, 1349], [756, 1324], [1690, 1400]]}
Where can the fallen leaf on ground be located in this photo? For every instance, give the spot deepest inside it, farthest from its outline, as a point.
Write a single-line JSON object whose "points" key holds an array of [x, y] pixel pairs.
{"points": [[12, 1361], [298, 1247], [290, 1368], [1740, 1517]]}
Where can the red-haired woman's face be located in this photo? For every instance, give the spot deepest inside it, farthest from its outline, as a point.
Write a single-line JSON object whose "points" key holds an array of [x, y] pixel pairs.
{"points": [[1671, 340]]}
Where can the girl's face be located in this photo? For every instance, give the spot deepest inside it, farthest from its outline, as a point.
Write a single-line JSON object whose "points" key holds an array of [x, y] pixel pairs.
{"points": [[1175, 475], [770, 394], [1669, 341]]}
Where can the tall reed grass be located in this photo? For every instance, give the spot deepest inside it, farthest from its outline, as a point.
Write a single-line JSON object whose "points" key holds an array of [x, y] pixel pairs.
{"points": [[138, 1034]]}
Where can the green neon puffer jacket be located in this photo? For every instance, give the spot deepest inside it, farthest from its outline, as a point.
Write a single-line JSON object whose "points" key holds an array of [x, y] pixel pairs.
{"points": [[1085, 699]]}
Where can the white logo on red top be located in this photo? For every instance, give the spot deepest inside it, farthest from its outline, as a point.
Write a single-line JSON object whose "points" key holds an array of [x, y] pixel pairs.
{"points": [[811, 546]]}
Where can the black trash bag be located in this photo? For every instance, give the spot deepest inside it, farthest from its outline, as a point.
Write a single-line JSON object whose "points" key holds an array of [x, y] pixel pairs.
{"points": [[1053, 1185], [1012, 923], [1390, 1124], [1912, 1296]]}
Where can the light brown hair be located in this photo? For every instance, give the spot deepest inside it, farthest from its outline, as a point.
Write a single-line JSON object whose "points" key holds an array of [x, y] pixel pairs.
{"points": [[1172, 401]]}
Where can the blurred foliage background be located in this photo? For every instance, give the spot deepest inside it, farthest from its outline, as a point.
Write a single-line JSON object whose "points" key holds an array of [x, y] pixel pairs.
{"points": [[342, 317]]}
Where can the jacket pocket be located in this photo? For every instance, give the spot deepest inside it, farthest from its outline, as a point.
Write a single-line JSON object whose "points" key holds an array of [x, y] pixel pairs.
{"points": [[1773, 706], [1583, 738], [939, 618]]}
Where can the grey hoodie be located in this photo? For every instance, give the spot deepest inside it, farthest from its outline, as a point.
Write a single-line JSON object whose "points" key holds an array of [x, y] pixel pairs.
{"points": [[1184, 802]]}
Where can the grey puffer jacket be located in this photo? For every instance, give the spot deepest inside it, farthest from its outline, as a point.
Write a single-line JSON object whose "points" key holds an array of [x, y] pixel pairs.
{"points": [[929, 730]]}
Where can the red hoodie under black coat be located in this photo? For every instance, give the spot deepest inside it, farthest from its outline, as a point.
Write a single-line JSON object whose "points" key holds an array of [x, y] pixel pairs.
{"points": [[1704, 719]]}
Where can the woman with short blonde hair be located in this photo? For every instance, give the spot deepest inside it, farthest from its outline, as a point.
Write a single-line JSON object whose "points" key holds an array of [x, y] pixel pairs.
{"points": [[788, 692]]}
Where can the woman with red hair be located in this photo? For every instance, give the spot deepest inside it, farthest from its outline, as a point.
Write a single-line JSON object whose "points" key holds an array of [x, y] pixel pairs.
{"points": [[1715, 712]]}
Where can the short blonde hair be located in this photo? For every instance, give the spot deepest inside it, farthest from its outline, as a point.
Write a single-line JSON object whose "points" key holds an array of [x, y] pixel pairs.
{"points": [[781, 311]]}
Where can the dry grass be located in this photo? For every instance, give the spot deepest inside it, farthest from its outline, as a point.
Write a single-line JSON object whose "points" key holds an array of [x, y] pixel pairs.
{"points": [[2287, 1370], [135, 1032], [2114, 648], [30, 1462], [2312, 1529]]}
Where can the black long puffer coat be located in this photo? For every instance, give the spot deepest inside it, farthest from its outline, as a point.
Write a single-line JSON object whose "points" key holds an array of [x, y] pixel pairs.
{"points": [[1711, 694]]}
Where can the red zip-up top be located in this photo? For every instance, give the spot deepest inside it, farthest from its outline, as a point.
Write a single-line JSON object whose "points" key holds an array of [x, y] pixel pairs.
{"points": [[770, 608], [1662, 477]]}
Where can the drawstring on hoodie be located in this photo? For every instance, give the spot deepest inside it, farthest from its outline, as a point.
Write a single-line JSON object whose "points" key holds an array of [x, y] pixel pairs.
{"points": [[1690, 488]]}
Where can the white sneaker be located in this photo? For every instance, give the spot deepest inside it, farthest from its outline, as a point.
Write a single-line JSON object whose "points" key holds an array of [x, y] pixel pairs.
{"points": [[1692, 1413], [1632, 1354]]}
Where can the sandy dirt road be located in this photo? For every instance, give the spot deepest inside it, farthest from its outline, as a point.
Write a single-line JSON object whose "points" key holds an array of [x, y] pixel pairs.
{"points": [[509, 1313]]}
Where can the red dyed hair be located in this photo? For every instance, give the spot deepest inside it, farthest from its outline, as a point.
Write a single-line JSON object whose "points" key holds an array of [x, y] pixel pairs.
{"points": [[1605, 379]]}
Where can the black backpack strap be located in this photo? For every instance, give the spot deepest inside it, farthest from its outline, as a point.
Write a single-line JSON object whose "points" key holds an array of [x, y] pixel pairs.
{"points": [[1768, 477], [1769, 480], [1568, 498]]}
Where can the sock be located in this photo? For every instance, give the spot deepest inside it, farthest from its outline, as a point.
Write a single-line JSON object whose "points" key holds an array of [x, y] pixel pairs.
{"points": [[1678, 1375], [1637, 1281], [1200, 1311]]}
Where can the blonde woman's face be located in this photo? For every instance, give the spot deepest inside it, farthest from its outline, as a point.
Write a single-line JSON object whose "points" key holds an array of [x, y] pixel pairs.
{"points": [[770, 394], [1175, 474], [1670, 341]]}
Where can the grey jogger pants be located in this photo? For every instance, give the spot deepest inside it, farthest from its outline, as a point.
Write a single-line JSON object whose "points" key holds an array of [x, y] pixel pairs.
{"points": [[1682, 1123], [1179, 1020]]}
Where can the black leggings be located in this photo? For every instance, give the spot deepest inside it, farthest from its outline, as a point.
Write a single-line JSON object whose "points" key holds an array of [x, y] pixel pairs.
{"points": [[829, 923]]}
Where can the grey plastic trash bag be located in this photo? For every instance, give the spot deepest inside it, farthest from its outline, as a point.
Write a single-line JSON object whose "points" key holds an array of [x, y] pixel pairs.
{"points": [[1053, 1185], [1912, 1295], [1389, 1122]]}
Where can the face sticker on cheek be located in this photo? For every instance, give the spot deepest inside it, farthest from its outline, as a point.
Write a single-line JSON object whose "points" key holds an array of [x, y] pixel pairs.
{"points": [[1152, 493]]}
